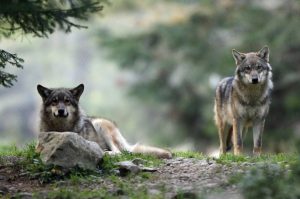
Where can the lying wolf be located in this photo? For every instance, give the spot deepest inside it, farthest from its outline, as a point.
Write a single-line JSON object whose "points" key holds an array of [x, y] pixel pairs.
{"points": [[61, 112], [243, 100]]}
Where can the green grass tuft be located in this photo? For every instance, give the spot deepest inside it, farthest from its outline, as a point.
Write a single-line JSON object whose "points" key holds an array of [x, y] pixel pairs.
{"points": [[108, 163], [266, 158]]}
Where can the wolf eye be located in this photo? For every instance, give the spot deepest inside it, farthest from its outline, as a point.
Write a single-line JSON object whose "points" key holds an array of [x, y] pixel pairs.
{"points": [[248, 68], [67, 100], [259, 67], [54, 101]]}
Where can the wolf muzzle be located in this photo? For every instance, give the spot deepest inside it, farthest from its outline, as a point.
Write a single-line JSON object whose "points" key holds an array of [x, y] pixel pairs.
{"points": [[254, 80], [61, 113]]}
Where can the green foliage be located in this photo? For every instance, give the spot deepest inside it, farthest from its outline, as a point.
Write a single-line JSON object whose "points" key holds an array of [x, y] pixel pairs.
{"points": [[271, 181], [39, 18], [178, 63], [276, 176], [6, 79], [190, 154]]}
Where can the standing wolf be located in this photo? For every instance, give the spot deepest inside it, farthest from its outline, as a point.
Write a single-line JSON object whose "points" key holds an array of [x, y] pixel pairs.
{"points": [[61, 112], [243, 100]]}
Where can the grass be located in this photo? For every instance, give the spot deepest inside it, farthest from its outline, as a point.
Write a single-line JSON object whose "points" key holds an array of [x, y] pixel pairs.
{"points": [[108, 163], [265, 158], [229, 158]]}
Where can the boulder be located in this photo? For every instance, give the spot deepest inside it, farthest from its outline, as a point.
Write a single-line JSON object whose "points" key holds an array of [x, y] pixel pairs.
{"points": [[68, 149]]}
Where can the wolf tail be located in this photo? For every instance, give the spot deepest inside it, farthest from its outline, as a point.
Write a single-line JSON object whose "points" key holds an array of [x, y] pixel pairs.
{"points": [[138, 148], [158, 152], [123, 145], [117, 143]]}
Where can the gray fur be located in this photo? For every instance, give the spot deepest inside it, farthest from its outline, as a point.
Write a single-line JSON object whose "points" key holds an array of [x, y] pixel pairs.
{"points": [[76, 121]]}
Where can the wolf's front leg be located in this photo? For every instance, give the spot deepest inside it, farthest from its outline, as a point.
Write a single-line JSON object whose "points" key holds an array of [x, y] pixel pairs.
{"points": [[258, 128], [237, 136]]}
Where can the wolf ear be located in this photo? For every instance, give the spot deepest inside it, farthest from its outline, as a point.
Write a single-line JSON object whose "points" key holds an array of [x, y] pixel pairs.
{"points": [[43, 91], [264, 53], [238, 57], [77, 91]]}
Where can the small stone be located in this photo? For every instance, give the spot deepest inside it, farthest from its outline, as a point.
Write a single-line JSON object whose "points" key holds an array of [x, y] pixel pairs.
{"points": [[152, 192], [127, 166], [3, 190], [149, 169], [23, 195], [138, 161], [2, 178]]}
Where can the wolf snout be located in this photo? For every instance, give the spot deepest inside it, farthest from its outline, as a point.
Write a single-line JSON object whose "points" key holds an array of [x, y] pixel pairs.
{"points": [[62, 113], [254, 80]]}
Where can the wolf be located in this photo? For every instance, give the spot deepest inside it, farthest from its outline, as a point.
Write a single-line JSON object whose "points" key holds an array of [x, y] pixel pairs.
{"points": [[61, 112], [243, 101]]}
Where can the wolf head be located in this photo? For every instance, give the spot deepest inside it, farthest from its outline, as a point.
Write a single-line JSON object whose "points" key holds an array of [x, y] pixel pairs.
{"points": [[60, 103], [253, 67]]}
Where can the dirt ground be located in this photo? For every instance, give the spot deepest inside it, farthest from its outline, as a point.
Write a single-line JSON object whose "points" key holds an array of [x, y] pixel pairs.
{"points": [[190, 177]]}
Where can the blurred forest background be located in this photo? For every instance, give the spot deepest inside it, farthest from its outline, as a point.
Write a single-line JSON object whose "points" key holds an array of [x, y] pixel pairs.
{"points": [[152, 66]]}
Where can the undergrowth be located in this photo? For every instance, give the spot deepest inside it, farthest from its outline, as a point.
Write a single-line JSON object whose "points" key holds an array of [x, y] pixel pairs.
{"points": [[269, 180], [271, 176], [30, 161]]}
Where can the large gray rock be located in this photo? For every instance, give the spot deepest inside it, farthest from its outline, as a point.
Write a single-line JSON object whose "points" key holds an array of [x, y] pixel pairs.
{"points": [[68, 149]]}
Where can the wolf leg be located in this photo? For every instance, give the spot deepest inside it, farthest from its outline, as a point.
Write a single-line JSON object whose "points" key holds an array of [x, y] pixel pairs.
{"points": [[258, 128], [222, 136], [237, 129], [229, 142]]}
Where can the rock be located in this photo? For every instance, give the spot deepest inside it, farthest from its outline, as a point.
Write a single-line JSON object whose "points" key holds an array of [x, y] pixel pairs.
{"points": [[67, 149], [3, 190], [2, 178], [154, 192], [148, 169], [138, 161], [133, 166], [23, 195], [126, 167]]}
